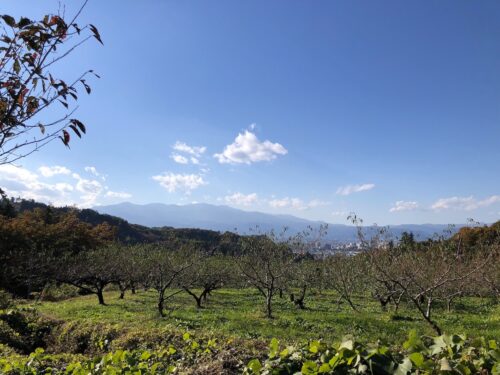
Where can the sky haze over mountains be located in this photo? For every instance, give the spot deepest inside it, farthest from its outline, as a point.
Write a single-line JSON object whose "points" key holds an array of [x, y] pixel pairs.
{"points": [[388, 109]]}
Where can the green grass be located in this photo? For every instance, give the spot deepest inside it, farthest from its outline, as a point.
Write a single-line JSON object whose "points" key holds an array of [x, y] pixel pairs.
{"points": [[239, 314]]}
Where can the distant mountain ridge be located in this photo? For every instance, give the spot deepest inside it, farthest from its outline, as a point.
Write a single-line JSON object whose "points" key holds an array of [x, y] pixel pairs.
{"points": [[224, 218]]}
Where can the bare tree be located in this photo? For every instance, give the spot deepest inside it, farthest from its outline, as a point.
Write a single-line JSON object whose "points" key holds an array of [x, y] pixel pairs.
{"points": [[346, 275], [209, 274], [424, 275], [132, 269], [90, 271], [265, 265], [166, 267]]}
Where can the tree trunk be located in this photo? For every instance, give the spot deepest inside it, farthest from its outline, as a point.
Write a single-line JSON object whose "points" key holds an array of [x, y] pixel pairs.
{"points": [[198, 302], [100, 296], [427, 314], [123, 288], [350, 303], [161, 302], [397, 301], [196, 298], [300, 301], [269, 297]]}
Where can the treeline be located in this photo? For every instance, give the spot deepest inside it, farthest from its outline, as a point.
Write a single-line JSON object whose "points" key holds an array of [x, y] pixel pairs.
{"points": [[32, 232], [125, 232]]}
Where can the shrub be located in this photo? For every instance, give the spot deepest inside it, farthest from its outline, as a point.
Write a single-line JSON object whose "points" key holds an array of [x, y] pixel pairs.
{"points": [[5, 300], [438, 355]]}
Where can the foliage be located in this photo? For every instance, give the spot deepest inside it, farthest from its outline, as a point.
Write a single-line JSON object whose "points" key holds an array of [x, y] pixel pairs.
{"points": [[29, 53], [5, 300], [164, 361], [30, 240], [24, 329], [438, 355]]}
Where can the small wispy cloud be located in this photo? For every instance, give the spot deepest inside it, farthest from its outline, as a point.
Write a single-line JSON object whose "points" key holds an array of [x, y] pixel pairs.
{"points": [[185, 154], [179, 159], [173, 182], [93, 171], [464, 203], [350, 189], [296, 203], [196, 151], [404, 206], [52, 171], [340, 213], [118, 194], [239, 199]]}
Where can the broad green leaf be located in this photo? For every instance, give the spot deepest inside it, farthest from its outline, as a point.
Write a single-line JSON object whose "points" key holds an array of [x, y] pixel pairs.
{"points": [[255, 366], [417, 359], [309, 368], [273, 348]]}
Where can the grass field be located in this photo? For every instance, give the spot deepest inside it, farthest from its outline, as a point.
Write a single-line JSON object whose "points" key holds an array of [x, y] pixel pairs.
{"points": [[239, 314]]}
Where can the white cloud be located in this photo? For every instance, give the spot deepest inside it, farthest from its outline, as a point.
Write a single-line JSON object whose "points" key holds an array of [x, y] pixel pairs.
{"points": [[239, 199], [247, 149], [89, 186], [349, 189], [192, 154], [287, 202], [9, 172], [118, 194], [179, 159], [296, 203], [20, 182], [191, 150], [63, 187], [52, 171], [317, 203], [91, 190], [464, 203], [340, 213], [93, 171], [404, 206], [186, 182]]}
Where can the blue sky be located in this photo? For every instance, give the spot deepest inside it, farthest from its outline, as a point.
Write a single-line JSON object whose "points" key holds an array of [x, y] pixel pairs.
{"points": [[389, 109]]}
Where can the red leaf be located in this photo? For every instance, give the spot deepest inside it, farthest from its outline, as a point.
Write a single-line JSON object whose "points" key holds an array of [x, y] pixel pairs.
{"points": [[66, 137]]}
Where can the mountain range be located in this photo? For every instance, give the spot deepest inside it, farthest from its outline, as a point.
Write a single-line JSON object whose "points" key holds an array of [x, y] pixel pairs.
{"points": [[223, 218]]}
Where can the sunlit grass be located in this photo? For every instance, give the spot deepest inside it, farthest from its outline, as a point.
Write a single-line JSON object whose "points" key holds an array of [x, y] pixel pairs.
{"points": [[239, 313]]}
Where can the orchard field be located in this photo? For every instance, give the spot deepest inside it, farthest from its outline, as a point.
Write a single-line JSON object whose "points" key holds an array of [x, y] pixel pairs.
{"points": [[230, 334], [237, 313]]}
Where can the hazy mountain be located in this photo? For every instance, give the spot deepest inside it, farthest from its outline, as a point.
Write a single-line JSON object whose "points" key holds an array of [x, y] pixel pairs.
{"points": [[224, 218]]}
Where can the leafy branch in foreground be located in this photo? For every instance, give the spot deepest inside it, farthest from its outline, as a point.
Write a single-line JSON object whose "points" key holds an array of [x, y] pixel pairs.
{"points": [[445, 354], [29, 52]]}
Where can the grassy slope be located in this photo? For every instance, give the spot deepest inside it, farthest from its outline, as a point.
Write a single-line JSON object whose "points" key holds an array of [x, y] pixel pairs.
{"points": [[238, 313]]}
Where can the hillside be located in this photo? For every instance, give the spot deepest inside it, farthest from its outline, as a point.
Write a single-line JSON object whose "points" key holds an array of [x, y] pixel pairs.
{"points": [[224, 218]]}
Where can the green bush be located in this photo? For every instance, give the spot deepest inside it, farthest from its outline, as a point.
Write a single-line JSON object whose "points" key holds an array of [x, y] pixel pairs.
{"points": [[24, 330], [5, 300], [164, 361], [446, 354]]}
